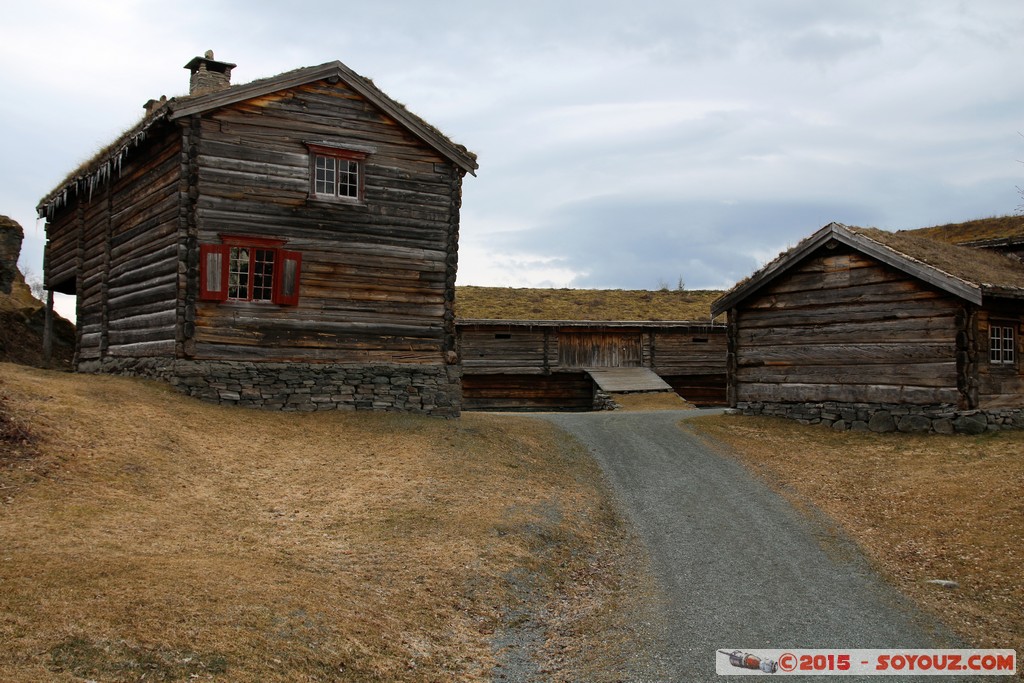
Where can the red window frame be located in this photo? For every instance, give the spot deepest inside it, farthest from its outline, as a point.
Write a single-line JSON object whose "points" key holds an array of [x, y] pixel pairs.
{"points": [[215, 262]]}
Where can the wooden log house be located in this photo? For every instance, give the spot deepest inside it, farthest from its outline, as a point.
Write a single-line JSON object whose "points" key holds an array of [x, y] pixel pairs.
{"points": [[535, 362], [860, 328], [289, 243]]}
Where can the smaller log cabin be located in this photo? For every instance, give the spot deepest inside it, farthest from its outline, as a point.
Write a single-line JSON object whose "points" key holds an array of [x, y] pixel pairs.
{"points": [[289, 243], [865, 329], [534, 349]]}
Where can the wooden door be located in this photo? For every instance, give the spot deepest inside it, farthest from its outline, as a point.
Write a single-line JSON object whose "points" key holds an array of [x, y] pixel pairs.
{"points": [[599, 350]]}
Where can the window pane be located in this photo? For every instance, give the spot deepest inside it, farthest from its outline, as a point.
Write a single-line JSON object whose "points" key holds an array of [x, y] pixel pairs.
{"points": [[325, 175], [263, 275], [238, 273], [1008, 345], [348, 182]]}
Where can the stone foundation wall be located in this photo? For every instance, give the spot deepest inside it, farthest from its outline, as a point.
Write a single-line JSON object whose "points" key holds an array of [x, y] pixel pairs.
{"points": [[604, 401], [889, 417], [432, 390]]}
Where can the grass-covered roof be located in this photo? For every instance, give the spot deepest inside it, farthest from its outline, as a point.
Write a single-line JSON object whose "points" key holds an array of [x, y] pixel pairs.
{"points": [[987, 269], [981, 230], [507, 303]]}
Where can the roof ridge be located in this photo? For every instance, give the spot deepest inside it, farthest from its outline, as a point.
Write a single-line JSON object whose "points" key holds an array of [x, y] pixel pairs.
{"points": [[99, 168], [910, 257]]}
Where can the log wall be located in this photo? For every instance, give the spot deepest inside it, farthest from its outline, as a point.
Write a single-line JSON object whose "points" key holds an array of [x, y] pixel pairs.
{"points": [[843, 327], [511, 349], [558, 391], [528, 348], [499, 359], [116, 249], [141, 295], [999, 385], [695, 351], [377, 277]]}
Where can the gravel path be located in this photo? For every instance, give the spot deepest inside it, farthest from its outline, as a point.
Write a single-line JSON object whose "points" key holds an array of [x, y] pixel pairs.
{"points": [[739, 567]]}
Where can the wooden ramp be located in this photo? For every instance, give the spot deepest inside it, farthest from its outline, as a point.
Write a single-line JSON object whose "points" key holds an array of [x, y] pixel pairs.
{"points": [[625, 380]]}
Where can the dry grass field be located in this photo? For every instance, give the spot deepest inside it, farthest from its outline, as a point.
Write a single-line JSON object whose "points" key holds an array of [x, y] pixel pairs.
{"points": [[659, 400], [147, 536], [921, 507]]}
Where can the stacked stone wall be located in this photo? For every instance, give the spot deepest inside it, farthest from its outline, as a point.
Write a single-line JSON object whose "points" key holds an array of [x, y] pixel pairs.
{"points": [[306, 387], [890, 417]]}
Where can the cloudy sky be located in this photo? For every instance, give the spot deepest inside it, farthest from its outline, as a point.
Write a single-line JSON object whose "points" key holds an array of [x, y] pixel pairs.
{"points": [[621, 145]]}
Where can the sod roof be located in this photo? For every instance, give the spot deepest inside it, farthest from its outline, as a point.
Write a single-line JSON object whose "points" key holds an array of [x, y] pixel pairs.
{"points": [[989, 270], [507, 303], [963, 271], [107, 162], [982, 230]]}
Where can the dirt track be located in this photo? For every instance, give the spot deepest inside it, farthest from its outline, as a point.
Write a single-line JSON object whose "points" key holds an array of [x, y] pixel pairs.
{"points": [[738, 566]]}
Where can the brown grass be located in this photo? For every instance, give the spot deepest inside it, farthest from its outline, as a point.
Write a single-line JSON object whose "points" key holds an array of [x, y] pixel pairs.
{"points": [[152, 536], [507, 303], [995, 227], [652, 400], [979, 266], [921, 507]]}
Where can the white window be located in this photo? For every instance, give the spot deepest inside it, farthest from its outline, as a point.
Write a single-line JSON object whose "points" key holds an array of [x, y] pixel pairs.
{"points": [[336, 177], [1002, 344], [336, 173]]}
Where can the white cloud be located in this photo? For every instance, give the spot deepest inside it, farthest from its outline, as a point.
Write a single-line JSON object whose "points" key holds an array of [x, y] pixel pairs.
{"points": [[486, 267], [900, 114]]}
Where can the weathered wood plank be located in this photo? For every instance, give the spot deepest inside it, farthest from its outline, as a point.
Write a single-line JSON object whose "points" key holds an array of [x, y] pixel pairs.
{"points": [[936, 374], [850, 354], [527, 392], [798, 392]]}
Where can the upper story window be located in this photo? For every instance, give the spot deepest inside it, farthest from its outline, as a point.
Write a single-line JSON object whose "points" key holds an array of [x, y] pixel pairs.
{"points": [[249, 269], [336, 172], [1002, 346], [337, 177]]}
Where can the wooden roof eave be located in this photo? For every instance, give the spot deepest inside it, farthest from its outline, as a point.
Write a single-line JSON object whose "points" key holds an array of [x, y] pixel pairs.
{"points": [[203, 103], [98, 170], [965, 290], [1003, 292], [968, 291]]}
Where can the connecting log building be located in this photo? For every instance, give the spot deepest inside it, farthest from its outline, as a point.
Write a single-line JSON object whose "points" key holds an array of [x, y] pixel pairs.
{"points": [[288, 243], [534, 362], [861, 328]]}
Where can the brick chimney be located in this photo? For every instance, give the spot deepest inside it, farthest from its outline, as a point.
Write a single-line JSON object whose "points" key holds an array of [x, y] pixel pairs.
{"points": [[208, 75]]}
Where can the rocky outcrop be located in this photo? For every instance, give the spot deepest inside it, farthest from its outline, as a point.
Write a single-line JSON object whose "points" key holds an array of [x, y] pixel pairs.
{"points": [[22, 316], [11, 236]]}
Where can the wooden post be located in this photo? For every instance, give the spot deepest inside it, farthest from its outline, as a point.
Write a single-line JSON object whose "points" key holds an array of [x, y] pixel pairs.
{"points": [[732, 342], [48, 329]]}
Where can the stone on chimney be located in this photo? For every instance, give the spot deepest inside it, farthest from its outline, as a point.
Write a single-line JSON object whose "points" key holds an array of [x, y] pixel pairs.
{"points": [[208, 75], [152, 105]]}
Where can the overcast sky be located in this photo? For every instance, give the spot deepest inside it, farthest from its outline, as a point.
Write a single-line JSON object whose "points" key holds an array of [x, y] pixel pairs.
{"points": [[621, 144]]}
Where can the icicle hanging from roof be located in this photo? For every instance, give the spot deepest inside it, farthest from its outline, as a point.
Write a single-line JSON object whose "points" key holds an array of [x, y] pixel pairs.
{"points": [[101, 169]]}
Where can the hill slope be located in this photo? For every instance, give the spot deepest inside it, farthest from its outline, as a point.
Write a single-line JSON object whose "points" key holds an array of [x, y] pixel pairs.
{"points": [[149, 533], [22, 316]]}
